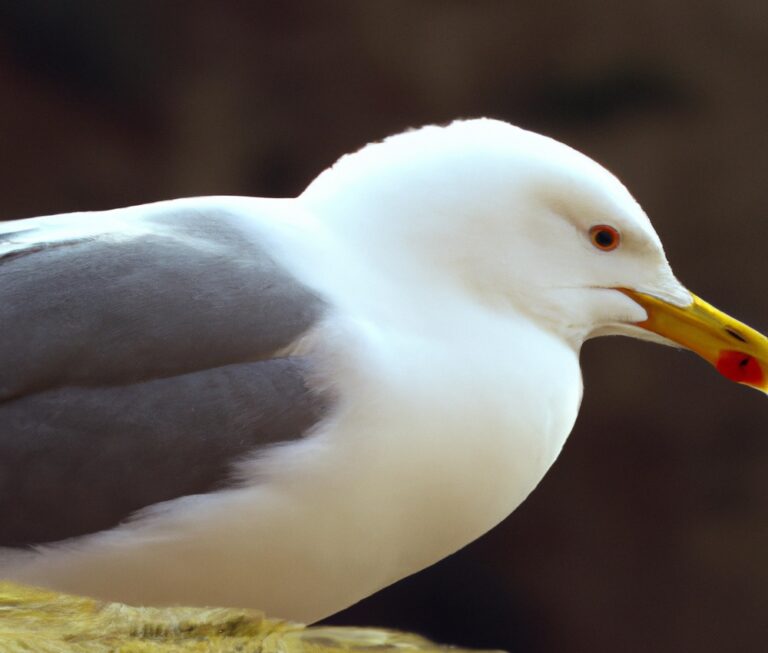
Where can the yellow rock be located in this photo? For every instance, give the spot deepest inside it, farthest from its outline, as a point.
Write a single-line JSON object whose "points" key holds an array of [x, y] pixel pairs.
{"points": [[34, 620]]}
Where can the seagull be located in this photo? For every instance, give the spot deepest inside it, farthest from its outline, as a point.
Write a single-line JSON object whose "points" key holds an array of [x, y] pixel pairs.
{"points": [[288, 404]]}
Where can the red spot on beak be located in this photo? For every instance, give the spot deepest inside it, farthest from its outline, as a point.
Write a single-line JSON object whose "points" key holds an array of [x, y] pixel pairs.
{"points": [[740, 367]]}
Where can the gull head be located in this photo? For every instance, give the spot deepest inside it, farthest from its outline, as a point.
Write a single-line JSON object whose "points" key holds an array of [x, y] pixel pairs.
{"points": [[520, 223]]}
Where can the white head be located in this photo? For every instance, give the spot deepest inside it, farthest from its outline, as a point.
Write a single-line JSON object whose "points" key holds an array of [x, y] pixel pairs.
{"points": [[517, 220]]}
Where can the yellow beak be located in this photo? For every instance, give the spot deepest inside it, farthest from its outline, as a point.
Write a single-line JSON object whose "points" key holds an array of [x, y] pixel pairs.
{"points": [[737, 351]]}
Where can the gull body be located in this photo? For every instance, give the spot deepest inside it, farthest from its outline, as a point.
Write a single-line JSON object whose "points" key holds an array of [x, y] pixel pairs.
{"points": [[456, 281]]}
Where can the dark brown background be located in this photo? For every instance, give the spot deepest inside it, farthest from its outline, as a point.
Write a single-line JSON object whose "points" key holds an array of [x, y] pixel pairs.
{"points": [[650, 532]]}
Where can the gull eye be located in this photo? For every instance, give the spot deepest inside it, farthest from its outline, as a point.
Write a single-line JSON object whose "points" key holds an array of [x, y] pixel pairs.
{"points": [[604, 237]]}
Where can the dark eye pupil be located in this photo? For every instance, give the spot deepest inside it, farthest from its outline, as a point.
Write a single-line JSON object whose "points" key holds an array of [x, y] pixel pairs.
{"points": [[604, 238]]}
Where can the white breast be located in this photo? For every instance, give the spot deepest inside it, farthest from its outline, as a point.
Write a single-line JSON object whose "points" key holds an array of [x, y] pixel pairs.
{"points": [[427, 451]]}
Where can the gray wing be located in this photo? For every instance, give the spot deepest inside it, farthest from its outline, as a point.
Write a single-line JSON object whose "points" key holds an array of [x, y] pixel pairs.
{"points": [[138, 360]]}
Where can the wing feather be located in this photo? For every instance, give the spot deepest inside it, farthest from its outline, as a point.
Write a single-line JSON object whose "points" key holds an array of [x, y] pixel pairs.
{"points": [[140, 299], [142, 353]]}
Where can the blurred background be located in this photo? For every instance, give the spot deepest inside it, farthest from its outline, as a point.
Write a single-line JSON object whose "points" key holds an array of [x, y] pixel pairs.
{"points": [[650, 533]]}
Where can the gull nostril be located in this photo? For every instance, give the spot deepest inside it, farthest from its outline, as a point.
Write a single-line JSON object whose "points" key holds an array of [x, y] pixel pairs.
{"points": [[735, 334]]}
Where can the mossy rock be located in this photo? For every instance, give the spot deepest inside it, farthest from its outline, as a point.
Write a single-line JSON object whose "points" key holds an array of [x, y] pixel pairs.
{"points": [[34, 620]]}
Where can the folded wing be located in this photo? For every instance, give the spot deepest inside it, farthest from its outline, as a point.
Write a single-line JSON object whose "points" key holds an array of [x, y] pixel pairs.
{"points": [[143, 351]]}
